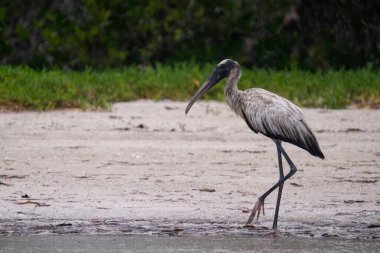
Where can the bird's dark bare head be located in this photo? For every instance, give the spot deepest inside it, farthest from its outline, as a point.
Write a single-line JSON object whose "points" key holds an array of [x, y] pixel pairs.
{"points": [[222, 70], [227, 65]]}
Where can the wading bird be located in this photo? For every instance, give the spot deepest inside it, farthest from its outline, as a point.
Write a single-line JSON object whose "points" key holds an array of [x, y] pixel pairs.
{"points": [[268, 114]]}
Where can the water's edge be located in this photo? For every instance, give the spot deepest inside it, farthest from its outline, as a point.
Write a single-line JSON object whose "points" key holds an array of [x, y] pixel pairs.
{"points": [[152, 243], [191, 227]]}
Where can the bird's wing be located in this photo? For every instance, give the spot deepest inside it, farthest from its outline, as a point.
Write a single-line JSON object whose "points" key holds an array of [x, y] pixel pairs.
{"points": [[277, 118]]}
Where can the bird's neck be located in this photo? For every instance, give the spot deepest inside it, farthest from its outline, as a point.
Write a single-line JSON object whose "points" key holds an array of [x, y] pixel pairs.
{"points": [[231, 91]]}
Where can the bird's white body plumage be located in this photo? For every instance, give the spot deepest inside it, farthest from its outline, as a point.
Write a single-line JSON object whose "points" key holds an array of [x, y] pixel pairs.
{"points": [[270, 114]]}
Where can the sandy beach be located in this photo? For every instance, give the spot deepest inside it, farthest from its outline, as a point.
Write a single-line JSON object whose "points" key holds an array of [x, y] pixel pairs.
{"points": [[145, 168]]}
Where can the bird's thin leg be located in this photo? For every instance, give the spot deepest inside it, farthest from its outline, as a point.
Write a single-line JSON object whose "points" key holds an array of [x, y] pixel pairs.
{"points": [[260, 202], [280, 186]]}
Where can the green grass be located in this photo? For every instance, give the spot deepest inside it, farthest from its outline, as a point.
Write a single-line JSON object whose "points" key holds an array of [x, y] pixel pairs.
{"points": [[24, 88]]}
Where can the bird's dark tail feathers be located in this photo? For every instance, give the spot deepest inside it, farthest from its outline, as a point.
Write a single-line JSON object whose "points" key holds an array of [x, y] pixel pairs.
{"points": [[311, 144], [316, 151]]}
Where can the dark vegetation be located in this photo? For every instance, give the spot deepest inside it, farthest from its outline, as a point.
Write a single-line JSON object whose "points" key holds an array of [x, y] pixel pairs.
{"points": [[273, 33]]}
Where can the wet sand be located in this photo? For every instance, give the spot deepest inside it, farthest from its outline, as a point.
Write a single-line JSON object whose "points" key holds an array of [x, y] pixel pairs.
{"points": [[146, 168]]}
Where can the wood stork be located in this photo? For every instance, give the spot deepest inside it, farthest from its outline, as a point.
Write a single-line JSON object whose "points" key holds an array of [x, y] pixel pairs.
{"points": [[268, 114]]}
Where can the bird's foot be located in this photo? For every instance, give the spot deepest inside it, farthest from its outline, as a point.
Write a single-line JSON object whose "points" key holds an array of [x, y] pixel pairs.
{"points": [[256, 211]]}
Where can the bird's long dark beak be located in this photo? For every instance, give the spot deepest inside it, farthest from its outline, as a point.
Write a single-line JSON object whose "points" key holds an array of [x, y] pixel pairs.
{"points": [[217, 75]]}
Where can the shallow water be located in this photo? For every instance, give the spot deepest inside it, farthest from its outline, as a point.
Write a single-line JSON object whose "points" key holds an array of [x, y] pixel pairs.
{"points": [[149, 243]]}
